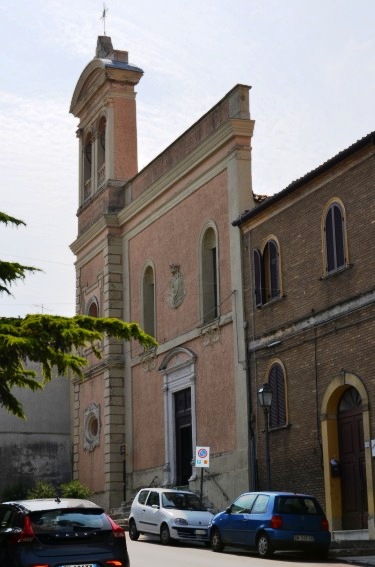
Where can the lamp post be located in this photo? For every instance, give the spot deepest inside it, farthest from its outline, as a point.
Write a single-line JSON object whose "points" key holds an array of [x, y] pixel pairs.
{"points": [[265, 401]]}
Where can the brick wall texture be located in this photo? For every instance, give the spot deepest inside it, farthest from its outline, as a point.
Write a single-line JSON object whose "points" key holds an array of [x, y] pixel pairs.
{"points": [[341, 336]]}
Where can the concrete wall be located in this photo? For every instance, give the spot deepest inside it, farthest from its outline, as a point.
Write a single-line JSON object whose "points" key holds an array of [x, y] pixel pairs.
{"points": [[39, 448]]}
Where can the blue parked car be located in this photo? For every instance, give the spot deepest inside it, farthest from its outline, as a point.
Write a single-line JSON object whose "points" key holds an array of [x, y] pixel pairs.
{"points": [[272, 521]]}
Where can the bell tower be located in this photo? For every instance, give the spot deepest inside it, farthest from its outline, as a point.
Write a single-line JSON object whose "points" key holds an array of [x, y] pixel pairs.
{"points": [[104, 102]]}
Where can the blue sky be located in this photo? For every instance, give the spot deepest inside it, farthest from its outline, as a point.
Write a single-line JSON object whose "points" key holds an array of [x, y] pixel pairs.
{"points": [[310, 64]]}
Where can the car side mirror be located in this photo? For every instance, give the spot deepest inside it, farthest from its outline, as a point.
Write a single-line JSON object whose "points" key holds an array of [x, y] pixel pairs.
{"points": [[229, 510]]}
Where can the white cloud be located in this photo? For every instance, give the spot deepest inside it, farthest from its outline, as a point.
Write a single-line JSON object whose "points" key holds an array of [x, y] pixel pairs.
{"points": [[310, 65]]}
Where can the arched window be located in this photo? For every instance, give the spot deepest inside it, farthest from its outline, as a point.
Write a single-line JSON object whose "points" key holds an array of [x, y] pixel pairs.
{"points": [[267, 273], [276, 381], [87, 159], [101, 151], [209, 272], [148, 296], [93, 307], [351, 399], [334, 239]]}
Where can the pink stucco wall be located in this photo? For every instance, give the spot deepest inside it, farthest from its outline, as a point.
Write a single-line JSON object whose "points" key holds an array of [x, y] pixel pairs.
{"points": [[125, 156], [215, 401], [91, 463], [175, 238], [148, 420], [90, 271]]}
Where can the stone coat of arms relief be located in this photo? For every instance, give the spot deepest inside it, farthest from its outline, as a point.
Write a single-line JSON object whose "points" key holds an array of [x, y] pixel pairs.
{"points": [[176, 293]]}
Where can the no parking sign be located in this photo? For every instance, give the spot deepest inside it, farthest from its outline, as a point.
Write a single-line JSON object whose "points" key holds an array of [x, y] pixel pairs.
{"points": [[202, 457]]}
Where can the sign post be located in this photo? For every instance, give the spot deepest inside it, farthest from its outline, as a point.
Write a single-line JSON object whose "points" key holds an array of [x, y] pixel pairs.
{"points": [[202, 460]]}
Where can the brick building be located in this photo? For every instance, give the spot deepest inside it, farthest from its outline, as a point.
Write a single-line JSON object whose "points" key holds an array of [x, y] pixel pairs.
{"points": [[310, 307], [158, 247]]}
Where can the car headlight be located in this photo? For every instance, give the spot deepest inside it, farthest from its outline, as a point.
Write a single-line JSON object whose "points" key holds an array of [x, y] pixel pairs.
{"points": [[181, 522]]}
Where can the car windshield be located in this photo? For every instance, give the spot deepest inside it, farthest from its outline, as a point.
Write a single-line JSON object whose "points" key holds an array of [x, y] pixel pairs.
{"points": [[182, 501], [297, 505], [69, 520]]}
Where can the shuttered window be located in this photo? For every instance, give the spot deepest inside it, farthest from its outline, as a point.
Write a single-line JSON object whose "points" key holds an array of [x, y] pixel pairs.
{"points": [[258, 277], [335, 242], [267, 282], [276, 380], [273, 269]]}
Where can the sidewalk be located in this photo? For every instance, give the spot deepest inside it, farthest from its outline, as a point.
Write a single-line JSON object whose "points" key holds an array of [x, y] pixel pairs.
{"points": [[358, 560], [353, 547]]}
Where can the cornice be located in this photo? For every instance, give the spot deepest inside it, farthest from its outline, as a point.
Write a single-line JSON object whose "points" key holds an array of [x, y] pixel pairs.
{"points": [[127, 213], [268, 210], [104, 222], [305, 186], [100, 73], [230, 129], [105, 99], [184, 339], [310, 322]]}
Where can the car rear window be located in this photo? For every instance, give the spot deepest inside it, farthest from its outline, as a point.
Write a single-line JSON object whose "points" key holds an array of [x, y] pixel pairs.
{"points": [[297, 505], [69, 520], [182, 501]]}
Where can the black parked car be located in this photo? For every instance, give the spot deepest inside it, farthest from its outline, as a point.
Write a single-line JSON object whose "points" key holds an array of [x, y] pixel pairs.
{"points": [[59, 533]]}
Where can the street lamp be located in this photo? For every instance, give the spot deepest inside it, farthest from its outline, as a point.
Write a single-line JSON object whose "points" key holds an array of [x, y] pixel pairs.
{"points": [[265, 401]]}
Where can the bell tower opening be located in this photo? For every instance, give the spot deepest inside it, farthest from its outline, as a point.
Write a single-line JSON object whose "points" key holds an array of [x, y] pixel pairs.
{"points": [[104, 100]]}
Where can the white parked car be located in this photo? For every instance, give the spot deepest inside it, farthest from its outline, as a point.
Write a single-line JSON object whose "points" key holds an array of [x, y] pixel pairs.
{"points": [[171, 514]]}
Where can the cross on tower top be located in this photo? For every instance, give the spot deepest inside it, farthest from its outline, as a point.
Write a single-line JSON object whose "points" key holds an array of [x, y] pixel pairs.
{"points": [[104, 15]]}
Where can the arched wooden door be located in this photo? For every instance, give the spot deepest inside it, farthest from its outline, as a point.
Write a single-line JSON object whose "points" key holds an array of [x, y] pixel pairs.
{"points": [[352, 459]]}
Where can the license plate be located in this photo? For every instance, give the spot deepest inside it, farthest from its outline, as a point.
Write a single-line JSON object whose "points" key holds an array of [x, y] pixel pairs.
{"points": [[200, 532], [80, 565], [303, 538]]}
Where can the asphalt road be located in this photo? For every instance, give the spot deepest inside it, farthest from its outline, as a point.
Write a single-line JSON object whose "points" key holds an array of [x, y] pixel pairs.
{"points": [[148, 552]]}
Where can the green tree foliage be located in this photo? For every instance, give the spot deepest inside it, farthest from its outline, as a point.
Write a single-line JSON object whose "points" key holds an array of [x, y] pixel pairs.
{"points": [[72, 489], [42, 489], [75, 489], [11, 271], [50, 340]]}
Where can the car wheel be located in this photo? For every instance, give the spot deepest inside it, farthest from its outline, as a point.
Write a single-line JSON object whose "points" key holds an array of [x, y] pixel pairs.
{"points": [[264, 546], [165, 536], [216, 541], [133, 532]]}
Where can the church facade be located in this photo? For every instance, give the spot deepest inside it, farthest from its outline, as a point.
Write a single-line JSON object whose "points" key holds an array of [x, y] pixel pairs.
{"points": [[157, 247], [239, 292]]}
